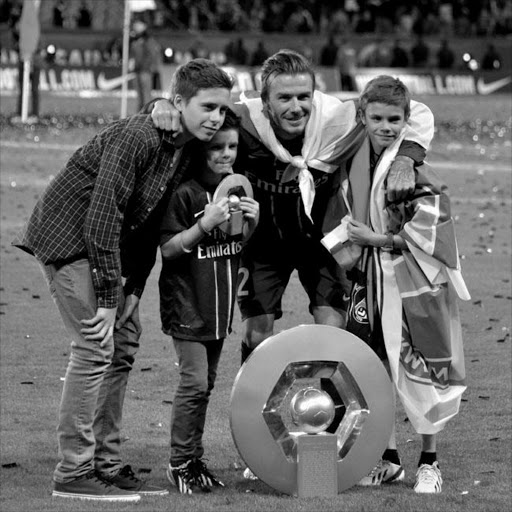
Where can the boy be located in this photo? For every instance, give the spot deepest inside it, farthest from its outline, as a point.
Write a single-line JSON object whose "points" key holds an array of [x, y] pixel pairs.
{"points": [[197, 296], [96, 223], [406, 283]]}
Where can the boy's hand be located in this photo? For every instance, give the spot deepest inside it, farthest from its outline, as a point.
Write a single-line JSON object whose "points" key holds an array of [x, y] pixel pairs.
{"points": [[359, 233], [215, 214], [251, 209], [401, 179], [166, 116], [131, 309], [101, 327]]}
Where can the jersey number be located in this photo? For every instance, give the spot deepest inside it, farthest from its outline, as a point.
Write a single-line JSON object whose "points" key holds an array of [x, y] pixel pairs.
{"points": [[243, 275]]}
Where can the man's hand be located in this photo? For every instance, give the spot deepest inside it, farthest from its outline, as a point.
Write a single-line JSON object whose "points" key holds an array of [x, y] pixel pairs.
{"points": [[101, 327], [166, 117], [131, 309], [401, 179]]}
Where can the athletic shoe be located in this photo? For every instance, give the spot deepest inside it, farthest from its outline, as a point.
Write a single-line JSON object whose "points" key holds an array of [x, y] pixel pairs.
{"points": [[428, 479], [127, 480], [249, 475], [384, 472], [186, 478], [206, 477], [93, 486]]}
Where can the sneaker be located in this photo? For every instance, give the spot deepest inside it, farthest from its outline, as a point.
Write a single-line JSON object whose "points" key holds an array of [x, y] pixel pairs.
{"points": [[186, 478], [428, 479], [207, 478], [93, 487], [127, 480], [249, 475], [384, 472]]}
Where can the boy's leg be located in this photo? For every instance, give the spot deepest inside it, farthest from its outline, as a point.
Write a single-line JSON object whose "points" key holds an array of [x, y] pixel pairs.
{"points": [[428, 476], [190, 400], [213, 351], [108, 420], [72, 290]]}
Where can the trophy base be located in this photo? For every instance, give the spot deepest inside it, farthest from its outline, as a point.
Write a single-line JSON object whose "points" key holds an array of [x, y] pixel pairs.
{"points": [[317, 470]]}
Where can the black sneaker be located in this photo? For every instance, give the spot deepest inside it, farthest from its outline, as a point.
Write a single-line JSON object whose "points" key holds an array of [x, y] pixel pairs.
{"points": [[93, 487], [127, 480], [206, 477], [186, 478]]}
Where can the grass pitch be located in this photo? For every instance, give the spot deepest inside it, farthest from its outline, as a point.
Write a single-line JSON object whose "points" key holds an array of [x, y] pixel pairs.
{"points": [[472, 142]]}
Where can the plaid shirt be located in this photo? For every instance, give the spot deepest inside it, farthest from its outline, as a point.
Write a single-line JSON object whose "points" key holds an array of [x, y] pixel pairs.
{"points": [[106, 204]]}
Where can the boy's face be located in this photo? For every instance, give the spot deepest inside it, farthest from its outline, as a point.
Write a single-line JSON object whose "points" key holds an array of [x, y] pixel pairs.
{"points": [[203, 114], [383, 124], [288, 105], [221, 151]]}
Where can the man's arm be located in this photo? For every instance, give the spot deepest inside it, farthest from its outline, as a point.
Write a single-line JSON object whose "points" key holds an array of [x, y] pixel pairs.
{"points": [[165, 116]]}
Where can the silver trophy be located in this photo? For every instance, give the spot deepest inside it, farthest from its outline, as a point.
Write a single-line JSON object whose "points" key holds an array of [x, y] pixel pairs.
{"points": [[312, 410]]}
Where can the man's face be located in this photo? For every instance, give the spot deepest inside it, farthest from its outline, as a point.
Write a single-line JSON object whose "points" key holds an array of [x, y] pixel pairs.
{"points": [[289, 104], [383, 123], [221, 151], [204, 113]]}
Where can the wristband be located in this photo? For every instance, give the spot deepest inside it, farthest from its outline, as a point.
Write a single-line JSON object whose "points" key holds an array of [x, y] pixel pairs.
{"points": [[202, 228]]}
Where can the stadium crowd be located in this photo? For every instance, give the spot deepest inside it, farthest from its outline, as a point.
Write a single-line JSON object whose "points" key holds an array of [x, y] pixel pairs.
{"points": [[460, 18]]}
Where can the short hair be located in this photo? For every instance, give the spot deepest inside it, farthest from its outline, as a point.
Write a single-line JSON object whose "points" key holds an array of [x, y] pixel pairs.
{"points": [[231, 121], [284, 62], [388, 90], [196, 75]]}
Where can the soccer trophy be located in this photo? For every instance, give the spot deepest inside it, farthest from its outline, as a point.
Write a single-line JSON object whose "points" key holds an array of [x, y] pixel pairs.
{"points": [[312, 411], [233, 186]]}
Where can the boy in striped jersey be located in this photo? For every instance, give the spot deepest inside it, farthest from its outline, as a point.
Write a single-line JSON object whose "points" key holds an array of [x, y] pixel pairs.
{"points": [[197, 297]]}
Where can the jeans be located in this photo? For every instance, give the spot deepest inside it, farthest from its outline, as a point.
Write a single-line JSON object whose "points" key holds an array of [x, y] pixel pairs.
{"points": [[198, 362], [91, 406]]}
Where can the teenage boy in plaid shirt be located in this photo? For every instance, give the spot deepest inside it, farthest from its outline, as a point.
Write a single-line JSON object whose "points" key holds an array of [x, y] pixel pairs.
{"points": [[97, 223]]}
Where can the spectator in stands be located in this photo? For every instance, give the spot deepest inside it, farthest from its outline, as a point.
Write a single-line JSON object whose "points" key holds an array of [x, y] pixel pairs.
{"points": [[491, 61], [446, 18], [260, 54], [236, 53], [339, 23], [365, 23], [300, 21], [273, 19], [420, 53], [329, 52], [399, 57], [231, 17], [346, 62], [445, 56]]}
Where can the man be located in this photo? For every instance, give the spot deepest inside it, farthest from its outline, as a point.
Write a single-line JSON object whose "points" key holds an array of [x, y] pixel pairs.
{"points": [[291, 142], [98, 221]]}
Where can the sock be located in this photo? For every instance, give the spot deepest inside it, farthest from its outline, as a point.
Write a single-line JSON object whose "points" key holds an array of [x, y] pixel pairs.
{"points": [[245, 351], [427, 458], [391, 456]]}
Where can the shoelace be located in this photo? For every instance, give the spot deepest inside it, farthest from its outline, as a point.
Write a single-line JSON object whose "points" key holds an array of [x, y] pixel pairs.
{"points": [[97, 476], [428, 475]]}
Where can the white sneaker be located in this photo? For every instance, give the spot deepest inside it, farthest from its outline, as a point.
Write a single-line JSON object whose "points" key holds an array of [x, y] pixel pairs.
{"points": [[428, 479], [384, 472], [249, 475]]}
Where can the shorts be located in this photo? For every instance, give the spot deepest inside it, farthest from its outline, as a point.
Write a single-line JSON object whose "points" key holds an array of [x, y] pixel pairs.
{"points": [[265, 270]]}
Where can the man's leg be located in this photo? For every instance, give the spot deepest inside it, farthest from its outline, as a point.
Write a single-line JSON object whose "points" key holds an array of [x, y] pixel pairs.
{"points": [[325, 315], [108, 420], [256, 330]]}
